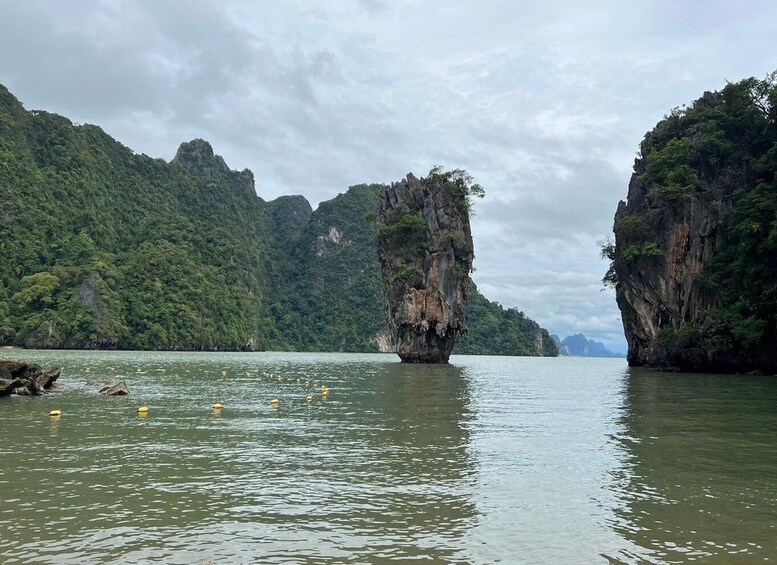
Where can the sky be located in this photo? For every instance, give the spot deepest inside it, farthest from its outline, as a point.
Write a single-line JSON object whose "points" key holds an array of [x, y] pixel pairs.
{"points": [[544, 103]]}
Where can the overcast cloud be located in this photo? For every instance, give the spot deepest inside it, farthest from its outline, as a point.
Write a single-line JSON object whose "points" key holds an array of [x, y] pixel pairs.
{"points": [[545, 103]]}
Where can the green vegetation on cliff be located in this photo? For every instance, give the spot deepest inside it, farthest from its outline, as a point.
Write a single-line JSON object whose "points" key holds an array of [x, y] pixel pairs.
{"points": [[329, 298], [703, 207], [494, 330], [103, 248]]}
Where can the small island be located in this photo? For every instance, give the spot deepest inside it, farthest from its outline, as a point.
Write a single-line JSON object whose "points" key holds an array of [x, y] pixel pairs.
{"points": [[425, 252]]}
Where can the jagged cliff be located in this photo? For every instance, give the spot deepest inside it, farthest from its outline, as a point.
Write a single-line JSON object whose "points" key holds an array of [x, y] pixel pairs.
{"points": [[106, 248], [425, 252], [695, 242]]}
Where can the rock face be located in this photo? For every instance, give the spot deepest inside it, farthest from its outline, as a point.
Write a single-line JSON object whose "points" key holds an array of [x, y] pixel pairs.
{"points": [[696, 241], [658, 290], [197, 155], [425, 253], [17, 377]]}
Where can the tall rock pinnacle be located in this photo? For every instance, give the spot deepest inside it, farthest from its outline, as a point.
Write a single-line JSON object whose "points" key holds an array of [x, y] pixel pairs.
{"points": [[425, 252]]}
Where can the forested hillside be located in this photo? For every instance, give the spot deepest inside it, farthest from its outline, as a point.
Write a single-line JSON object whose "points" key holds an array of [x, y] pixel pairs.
{"points": [[104, 248]]}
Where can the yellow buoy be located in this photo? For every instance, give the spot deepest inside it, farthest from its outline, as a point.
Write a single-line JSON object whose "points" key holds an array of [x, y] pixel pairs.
{"points": [[55, 413], [325, 392], [218, 406], [275, 402], [143, 409], [223, 373], [310, 398]]}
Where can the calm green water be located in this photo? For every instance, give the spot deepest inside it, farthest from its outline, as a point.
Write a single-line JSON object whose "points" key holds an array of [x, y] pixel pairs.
{"points": [[516, 460]]}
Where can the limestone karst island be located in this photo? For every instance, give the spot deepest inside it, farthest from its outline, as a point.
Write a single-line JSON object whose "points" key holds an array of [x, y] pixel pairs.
{"points": [[114, 250], [374, 281], [425, 251], [695, 255]]}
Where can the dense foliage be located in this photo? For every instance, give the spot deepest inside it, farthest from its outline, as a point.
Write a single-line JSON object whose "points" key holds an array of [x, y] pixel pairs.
{"points": [[494, 330], [330, 300], [103, 248], [721, 150]]}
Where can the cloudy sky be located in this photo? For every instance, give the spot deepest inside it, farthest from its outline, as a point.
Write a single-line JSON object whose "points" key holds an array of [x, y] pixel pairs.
{"points": [[544, 102]]}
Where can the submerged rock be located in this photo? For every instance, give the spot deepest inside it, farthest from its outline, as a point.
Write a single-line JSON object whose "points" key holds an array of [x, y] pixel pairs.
{"points": [[118, 389], [18, 377], [425, 252], [7, 386]]}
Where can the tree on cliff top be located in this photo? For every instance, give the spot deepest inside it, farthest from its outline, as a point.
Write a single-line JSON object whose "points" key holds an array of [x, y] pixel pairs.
{"points": [[462, 181]]}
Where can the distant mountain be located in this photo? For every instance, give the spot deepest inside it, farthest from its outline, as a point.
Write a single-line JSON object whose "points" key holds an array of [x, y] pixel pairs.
{"points": [[579, 346]]}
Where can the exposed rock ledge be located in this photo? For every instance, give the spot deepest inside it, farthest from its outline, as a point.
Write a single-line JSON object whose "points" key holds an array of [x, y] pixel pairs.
{"points": [[18, 377]]}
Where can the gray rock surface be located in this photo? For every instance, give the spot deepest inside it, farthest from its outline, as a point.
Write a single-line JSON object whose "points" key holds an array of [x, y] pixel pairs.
{"points": [[197, 155], [661, 292], [425, 252]]}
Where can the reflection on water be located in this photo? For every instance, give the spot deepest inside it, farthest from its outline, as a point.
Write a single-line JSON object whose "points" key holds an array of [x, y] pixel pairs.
{"points": [[378, 470], [512, 460], [701, 478]]}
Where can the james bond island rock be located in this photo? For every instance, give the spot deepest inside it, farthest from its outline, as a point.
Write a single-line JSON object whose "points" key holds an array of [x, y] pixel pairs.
{"points": [[425, 253], [695, 252]]}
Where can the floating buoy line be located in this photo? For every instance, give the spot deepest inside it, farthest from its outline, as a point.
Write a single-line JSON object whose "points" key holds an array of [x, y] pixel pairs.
{"points": [[218, 406]]}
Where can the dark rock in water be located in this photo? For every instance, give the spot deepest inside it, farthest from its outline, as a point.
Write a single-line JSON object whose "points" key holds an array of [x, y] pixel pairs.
{"points": [[17, 377], [119, 389], [7, 386], [47, 379], [425, 252]]}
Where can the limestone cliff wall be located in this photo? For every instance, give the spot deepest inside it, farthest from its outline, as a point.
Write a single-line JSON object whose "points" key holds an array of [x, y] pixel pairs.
{"points": [[657, 291], [425, 252]]}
